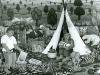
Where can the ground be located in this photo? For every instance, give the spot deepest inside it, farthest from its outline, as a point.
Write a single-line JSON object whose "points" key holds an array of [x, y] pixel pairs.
{"points": [[87, 68]]}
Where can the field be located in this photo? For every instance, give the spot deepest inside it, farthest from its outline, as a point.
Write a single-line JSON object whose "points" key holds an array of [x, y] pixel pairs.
{"points": [[24, 13]]}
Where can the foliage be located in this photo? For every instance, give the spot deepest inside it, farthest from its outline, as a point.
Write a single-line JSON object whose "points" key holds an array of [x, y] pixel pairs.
{"points": [[86, 1], [7, 2], [1, 13], [71, 10], [5, 8], [41, 3], [32, 3], [10, 13], [0, 4], [13, 4], [20, 2], [54, 3], [29, 9], [58, 7], [46, 9], [36, 14], [78, 3], [70, 1], [50, 2], [17, 7], [89, 10], [52, 17], [61, 3], [65, 5], [91, 2], [79, 11], [25, 5]]}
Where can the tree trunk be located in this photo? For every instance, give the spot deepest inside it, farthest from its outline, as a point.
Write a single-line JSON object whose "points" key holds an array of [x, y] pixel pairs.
{"points": [[10, 18], [45, 13], [79, 17], [36, 22], [71, 12], [29, 11]]}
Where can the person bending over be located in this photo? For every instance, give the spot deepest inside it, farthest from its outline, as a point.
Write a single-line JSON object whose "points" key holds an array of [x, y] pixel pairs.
{"points": [[9, 45]]}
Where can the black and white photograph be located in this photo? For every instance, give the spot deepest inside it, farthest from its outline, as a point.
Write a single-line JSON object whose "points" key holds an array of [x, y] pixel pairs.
{"points": [[49, 37]]}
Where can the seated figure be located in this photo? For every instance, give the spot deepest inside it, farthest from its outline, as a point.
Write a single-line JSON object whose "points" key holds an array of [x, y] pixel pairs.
{"points": [[67, 44]]}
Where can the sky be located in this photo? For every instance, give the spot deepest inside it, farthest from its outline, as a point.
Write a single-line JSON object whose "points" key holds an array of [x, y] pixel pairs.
{"points": [[39, 1]]}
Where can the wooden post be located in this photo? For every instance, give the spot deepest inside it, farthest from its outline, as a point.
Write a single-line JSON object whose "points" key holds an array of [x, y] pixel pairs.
{"points": [[25, 35], [18, 36]]}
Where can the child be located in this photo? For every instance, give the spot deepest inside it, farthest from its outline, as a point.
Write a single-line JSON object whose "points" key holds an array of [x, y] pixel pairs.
{"points": [[67, 44]]}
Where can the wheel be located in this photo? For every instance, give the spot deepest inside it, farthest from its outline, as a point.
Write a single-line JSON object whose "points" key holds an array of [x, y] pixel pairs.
{"points": [[90, 71]]}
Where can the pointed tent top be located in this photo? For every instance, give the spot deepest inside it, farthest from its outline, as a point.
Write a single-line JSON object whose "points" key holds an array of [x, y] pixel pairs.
{"points": [[65, 27]]}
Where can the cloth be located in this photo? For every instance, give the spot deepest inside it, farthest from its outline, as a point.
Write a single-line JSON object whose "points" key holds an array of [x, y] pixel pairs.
{"points": [[63, 51], [9, 41], [22, 57]]}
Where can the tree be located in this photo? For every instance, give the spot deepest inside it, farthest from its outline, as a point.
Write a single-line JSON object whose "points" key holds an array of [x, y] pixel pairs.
{"points": [[91, 2], [46, 9], [58, 7], [10, 13], [32, 3], [41, 3], [54, 3], [0, 4], [17, 7], [5, 8], [65, 5], [86, 1], [70, 1], [20, 2], [29, 9], [13, 4], [26, 0], [71, 10], [36, 14], [61, 3], [52, 17], [89, 10], [25, 5], [79, 11], [1, 13], [50, 2], [78, 3], [7, 2]]}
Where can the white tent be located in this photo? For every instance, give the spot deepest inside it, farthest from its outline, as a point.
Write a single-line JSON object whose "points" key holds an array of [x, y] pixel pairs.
{"points": [[79, 44]]}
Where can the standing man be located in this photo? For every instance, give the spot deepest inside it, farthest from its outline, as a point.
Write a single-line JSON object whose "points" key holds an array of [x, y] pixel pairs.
{"points": [[9, 45]]}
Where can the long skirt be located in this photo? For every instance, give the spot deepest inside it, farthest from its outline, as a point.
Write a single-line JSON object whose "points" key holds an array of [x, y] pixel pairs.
{"points": [[64, 52]]}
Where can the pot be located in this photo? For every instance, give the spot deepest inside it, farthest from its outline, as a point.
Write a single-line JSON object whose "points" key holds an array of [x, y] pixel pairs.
{"points": [[52, 55]]}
